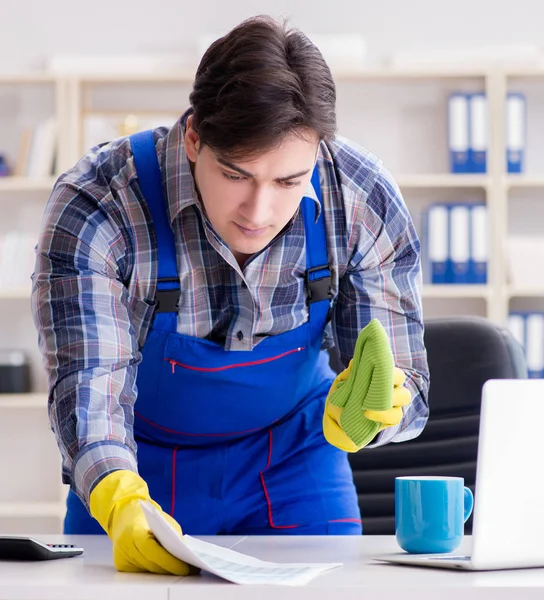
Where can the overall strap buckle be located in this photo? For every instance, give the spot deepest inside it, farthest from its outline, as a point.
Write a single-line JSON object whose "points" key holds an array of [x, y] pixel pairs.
{"points": [[318, 284], [167, 301]]}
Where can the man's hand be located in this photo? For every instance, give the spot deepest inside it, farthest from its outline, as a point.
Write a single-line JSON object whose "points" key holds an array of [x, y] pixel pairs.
{"points": [[401, 397], [332, 429], [115, 504]]}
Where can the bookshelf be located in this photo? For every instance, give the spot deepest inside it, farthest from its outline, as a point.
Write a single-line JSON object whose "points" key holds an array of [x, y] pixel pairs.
{"points": [[22, 401], [36, 507], [525, 292], [27, 78], [360, 115], [15, 294], [456, 291], [442, 181], [524, 211], [26, 184], [32, 497], [524, 181]]}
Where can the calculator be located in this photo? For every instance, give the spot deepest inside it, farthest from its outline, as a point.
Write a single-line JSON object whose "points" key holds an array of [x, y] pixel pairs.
{"points": [[27, 548]]}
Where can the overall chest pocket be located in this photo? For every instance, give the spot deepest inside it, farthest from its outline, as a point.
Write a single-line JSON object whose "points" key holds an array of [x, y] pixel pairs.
{"points": [[201, 390]]}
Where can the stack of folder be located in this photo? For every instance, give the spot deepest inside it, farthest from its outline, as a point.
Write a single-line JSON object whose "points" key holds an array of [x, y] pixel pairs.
{"points": [[468, 120], [456, 243], [528, 329]]}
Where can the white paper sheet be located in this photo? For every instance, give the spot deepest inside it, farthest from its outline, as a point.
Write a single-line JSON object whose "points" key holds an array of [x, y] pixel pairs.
{"points": [[229, 564]]}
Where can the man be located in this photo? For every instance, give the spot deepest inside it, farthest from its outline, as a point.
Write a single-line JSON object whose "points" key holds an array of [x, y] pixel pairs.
{"points": [[188, 283]]}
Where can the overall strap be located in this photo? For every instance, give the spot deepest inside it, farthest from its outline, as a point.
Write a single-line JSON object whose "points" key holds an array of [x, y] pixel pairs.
{"points": [[149, 176], [318, 274]]}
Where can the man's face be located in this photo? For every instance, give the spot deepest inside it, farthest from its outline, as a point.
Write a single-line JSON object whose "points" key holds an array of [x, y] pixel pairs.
{"points": [[249, 202]]}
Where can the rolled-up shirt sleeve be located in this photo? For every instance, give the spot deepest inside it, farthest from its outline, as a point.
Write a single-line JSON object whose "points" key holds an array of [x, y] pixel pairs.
{"points": [[383, 281], [89, 346]]}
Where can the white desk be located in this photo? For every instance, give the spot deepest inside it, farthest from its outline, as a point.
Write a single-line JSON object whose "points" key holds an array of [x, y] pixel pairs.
{"points": [[92, 576]]}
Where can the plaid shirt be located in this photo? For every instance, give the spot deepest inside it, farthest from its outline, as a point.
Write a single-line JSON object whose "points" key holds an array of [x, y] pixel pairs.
{"points": [[95, 280]]}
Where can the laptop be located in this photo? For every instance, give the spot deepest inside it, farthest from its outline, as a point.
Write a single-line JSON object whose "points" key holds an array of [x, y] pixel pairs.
{"points": [[508, 522]]}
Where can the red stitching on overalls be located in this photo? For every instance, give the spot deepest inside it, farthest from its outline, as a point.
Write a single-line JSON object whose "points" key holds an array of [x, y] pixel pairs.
{"points": [[268, 502], [174, 455], [175, 363], [194, 434]]}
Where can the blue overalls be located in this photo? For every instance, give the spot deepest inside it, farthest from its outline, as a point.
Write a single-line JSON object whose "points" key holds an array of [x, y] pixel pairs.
{"points": [[232, 442]]}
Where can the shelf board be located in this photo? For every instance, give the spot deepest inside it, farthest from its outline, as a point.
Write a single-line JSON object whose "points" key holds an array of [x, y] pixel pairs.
{"points": [[22, 184], [117, 112], [23, 401], [525, 72], [26, 78], [406, 73], [339, 74], [15, 294], [180, 77], [442, 181], [529, 292], [32, 509], [456, 291], [524, 181]]}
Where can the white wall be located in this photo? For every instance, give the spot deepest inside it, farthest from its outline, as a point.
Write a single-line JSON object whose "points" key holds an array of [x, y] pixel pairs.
{"points": [[32, 29]]}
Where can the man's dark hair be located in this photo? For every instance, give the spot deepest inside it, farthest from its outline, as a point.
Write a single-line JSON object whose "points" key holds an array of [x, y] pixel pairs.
{"points": [[259, 83]]}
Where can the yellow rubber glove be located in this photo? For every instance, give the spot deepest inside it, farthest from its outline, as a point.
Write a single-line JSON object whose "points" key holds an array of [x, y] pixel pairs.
{"points": [[332, 429], [401, 397], [115, 504]]}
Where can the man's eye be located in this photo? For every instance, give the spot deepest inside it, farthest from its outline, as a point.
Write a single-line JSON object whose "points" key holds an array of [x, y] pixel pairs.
{"points": [[233, 177], [289, 184]]}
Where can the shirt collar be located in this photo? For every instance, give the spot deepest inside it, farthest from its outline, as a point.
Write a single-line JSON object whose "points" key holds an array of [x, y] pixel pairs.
{"points": [[178, 177], [179, 182]]}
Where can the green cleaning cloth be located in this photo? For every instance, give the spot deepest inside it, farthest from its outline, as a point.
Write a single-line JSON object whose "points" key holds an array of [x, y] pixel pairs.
{"points": [[369, 385]]}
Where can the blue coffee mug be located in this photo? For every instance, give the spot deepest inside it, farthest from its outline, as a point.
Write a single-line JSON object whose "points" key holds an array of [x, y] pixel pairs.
{"points": [[430, 513]]}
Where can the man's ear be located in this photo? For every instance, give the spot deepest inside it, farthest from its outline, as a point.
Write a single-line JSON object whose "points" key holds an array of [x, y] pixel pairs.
{"points": [[192, 140]]}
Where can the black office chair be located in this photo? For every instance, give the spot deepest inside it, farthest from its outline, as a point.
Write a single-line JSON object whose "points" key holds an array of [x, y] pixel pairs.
{"points": [[463, 353]]}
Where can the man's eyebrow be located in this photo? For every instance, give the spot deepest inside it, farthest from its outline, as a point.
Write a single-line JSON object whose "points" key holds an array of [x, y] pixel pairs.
{"points": [[294, 175], [228, 164], [245, 173]]}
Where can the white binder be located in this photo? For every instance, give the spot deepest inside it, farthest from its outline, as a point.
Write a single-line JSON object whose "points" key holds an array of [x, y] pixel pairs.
{"points": [[515, 132], [460, 243], [516, 325], [437, 243], [478, 133], [458, 133], [479, 249], [535, 345]]}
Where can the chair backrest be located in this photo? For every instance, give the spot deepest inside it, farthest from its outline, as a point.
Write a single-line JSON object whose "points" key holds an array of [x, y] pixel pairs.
{"points": [[463, 353]]}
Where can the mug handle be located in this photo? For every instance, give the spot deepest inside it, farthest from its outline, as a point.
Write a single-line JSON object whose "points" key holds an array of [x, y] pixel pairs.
{"points": [[469, 503]]}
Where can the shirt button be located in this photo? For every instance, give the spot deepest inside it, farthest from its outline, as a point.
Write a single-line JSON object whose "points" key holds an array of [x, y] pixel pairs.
{"points": [[240, 336]]}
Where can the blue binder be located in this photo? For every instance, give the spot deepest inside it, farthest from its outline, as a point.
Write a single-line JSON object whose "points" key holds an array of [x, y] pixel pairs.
{"points": [[534, 344], [458, 133], [517, 327], [515, 132], [437, 242], [478, 132], [478, 244], [459, 224]]}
